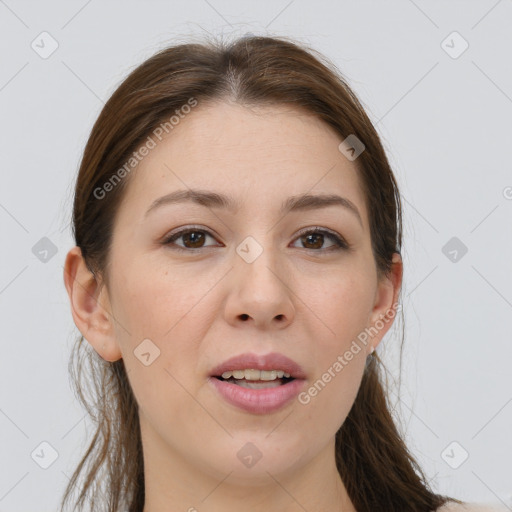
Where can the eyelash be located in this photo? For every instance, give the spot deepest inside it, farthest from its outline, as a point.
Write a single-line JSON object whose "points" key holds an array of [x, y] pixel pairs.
{"points": [[339, 242]]}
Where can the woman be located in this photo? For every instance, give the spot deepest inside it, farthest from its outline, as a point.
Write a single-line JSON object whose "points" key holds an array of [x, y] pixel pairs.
{"points": [[237, 262]]}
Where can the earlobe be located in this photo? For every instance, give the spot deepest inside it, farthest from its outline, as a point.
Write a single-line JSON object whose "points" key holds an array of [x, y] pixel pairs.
{"points": [[90, 306], [386, 303]]}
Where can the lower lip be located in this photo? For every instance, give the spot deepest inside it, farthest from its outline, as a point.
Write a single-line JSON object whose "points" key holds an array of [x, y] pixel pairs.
{"points": [[258, 401]]}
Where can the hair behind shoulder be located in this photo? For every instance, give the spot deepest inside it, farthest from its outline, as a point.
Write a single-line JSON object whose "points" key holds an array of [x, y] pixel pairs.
{"points": [[379, 472]]}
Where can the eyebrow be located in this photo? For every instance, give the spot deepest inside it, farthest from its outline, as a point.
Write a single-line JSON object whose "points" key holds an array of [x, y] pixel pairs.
{"points": [[302, 202]]}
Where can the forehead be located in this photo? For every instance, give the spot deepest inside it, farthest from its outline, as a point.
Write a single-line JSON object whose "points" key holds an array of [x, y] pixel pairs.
{"points": [[258, 155]]}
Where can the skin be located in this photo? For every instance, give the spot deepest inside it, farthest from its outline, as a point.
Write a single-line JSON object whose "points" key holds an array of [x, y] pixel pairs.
{"points": [[191, 306]]}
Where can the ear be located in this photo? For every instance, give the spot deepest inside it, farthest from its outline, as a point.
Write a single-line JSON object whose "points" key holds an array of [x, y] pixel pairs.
{"points": [[386, 303], [90, 306]]}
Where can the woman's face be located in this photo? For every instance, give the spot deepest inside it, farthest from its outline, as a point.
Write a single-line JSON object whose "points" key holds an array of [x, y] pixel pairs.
{"points": [[245, 279]]}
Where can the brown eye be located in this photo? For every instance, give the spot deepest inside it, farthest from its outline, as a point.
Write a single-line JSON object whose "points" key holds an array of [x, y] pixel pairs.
{"points": [[315, 238], [312, 239], [192, 239]]}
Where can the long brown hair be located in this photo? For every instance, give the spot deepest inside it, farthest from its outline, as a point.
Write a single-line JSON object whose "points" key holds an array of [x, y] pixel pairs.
{"points": [[378, 471]]}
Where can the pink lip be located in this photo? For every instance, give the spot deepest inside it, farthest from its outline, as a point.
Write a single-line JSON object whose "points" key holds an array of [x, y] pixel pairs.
{"points": [[259, 401]]}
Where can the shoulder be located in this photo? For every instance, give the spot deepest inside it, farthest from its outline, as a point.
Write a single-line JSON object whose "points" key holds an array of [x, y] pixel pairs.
{"points": [[472, 507]]}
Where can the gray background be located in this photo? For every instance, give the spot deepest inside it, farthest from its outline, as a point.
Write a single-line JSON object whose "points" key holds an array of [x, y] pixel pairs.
{"points": [[446, 124]]}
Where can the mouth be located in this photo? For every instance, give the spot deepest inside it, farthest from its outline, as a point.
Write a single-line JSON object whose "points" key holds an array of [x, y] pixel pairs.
{"points": [[256, 379], [258, 384], [252, 367]]}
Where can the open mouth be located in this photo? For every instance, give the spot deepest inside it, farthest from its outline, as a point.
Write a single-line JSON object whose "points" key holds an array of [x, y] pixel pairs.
{"points": [[258, 391], [256, 379], [257, 384]]}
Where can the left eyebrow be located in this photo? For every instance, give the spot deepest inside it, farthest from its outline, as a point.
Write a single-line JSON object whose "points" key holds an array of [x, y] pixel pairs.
{"points": [[211, 199]]}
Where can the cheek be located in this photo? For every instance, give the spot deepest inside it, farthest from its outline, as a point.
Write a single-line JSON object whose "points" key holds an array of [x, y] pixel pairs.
{"points": [[173, 312], [331, 392], [341, 302], [155, 302]]}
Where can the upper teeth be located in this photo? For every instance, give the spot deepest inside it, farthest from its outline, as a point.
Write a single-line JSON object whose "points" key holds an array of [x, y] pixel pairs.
{"points": [[256, 374]]}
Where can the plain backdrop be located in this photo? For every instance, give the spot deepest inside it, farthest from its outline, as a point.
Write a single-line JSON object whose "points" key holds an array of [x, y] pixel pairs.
{"points": [[435, 78]]}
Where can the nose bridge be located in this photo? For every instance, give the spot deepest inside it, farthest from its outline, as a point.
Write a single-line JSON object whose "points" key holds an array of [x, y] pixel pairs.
{"points": [[258, 260], [259, 290]]}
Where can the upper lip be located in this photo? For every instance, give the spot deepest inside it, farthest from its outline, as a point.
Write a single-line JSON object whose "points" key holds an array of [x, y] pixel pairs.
{"points": [[272, 361]]}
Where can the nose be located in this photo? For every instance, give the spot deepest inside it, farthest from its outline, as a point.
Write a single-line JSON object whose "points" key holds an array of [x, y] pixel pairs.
{"points": [[260, 293]]}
